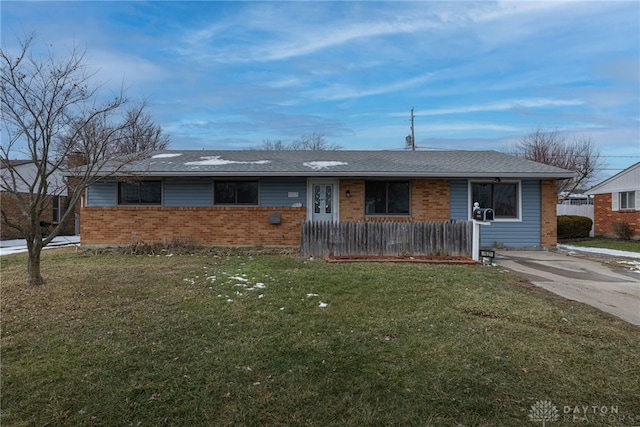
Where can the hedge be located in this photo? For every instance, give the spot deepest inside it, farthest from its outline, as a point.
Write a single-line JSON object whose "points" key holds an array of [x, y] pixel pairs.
{"points": [[573, 226]]}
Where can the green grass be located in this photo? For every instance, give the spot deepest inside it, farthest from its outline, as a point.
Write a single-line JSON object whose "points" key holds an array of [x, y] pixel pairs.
{"points": [[156, 340], [620, 245]]}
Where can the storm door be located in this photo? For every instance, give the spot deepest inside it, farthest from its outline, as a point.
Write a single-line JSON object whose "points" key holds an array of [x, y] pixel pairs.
{"points": [[323, 200]]}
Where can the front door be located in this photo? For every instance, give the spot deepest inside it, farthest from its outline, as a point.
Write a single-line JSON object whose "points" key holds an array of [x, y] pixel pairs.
{"points": [[323, 201]]}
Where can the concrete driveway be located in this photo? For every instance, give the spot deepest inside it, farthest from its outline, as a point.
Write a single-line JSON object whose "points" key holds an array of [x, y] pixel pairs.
{"points": [[580, 278]]}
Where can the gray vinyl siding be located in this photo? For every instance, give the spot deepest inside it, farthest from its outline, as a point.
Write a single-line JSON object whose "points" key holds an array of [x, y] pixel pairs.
{"points": [[276, 191], [187, 192], [102, 194], [523, 233]]}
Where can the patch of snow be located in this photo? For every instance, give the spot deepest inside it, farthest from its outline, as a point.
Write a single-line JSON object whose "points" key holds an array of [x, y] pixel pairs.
{"points": [[312, 295], [322, 304], [218, 161], [612, 252], [8, 247], [242, 279], [166, 155], [634, 265], [260, 285], [323, 164]]}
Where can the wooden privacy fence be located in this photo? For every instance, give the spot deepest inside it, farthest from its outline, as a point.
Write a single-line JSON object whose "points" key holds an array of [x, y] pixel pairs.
{"points": [[387, 238]]}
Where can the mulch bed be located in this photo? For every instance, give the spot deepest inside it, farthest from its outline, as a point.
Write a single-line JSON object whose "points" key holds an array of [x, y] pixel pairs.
{"points": [[416, 258]]}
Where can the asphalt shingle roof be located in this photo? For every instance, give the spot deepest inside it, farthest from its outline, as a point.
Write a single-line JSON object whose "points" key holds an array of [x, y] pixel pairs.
{"points": [[341, 163]]}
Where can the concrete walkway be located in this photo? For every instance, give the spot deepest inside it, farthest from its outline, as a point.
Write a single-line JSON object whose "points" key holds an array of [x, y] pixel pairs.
{"points": [[580, 278]]}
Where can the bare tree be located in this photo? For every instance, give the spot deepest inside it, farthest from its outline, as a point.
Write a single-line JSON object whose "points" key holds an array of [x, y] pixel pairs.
{"points": [[51, 113], [270, 145], [140, 133], [313, 141], [552, 148]]}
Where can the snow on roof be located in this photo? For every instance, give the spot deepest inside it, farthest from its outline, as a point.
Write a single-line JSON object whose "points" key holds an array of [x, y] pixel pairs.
{"points": [[323, 164], [218, 161], [166, 155]]}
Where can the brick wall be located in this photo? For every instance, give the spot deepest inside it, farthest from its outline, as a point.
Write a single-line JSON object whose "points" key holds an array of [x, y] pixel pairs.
{"points": [[604, 217], [224, 226], [430, 201], [548, 214], [12, 209]]}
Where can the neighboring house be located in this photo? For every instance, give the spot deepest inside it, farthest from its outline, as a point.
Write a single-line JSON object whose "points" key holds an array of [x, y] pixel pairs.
{"points": [[617, 200], [26, 172], [262, 197]]}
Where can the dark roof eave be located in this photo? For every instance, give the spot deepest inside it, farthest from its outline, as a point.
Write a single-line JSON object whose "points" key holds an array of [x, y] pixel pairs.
{"points": [[334, 174]]}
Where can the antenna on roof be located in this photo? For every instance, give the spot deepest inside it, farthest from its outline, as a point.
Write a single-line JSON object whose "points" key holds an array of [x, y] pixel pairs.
{"points": [[411, 139]]}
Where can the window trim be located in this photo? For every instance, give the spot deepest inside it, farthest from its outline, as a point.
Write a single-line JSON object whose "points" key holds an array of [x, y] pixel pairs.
{"points": [[630, 195], [118, 191], [470, 202], [257, 181], [387, 214]]}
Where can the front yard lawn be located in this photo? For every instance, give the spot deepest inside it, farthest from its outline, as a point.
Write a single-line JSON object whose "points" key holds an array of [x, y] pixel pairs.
{"points": [[260, 340]]}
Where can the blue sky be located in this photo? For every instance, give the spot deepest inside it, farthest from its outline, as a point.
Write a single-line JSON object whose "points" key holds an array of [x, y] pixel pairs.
{"points": [[480, 75]]}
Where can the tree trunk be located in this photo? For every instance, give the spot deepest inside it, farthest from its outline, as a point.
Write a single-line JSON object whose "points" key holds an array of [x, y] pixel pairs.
{"points": [[34, 277]]}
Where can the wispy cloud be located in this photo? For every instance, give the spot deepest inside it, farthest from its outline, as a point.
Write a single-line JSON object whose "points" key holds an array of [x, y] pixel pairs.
{"points": [[342, 91], [497, 106]]}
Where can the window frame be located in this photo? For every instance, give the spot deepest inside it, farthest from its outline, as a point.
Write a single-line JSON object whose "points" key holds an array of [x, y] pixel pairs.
{"points": [[387, 213], [56, 207], [518, 204], [629, 196], [139, 184], [236, 181]]}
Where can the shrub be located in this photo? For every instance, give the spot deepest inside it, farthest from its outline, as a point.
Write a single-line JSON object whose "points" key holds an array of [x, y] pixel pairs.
{"points": [[573, 226], [622, 229]]}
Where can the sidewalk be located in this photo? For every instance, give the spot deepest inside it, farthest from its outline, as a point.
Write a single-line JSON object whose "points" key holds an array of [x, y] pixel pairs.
{"points": [[8, 247]]}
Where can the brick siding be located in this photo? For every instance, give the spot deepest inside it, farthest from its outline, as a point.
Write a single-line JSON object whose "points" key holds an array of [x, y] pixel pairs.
{"points": [[224, 226], [12, 209], [430, 201], [604, 217], [548, 214]]}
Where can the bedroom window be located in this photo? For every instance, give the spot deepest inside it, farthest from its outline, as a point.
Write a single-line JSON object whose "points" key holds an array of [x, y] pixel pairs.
{"points": [[503, 198], [140, 193], [628, 200], [235, 193], [387, 198]]}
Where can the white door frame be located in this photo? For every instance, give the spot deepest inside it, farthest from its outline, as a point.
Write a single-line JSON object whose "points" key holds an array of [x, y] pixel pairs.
{"points": [[335, 197]]}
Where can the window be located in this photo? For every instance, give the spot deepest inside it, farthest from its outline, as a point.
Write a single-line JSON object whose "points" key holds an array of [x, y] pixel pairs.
{"points": [[235, 193], [56, 209], [386, 197], [140, 193], [501, 197], [628, 200]]}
